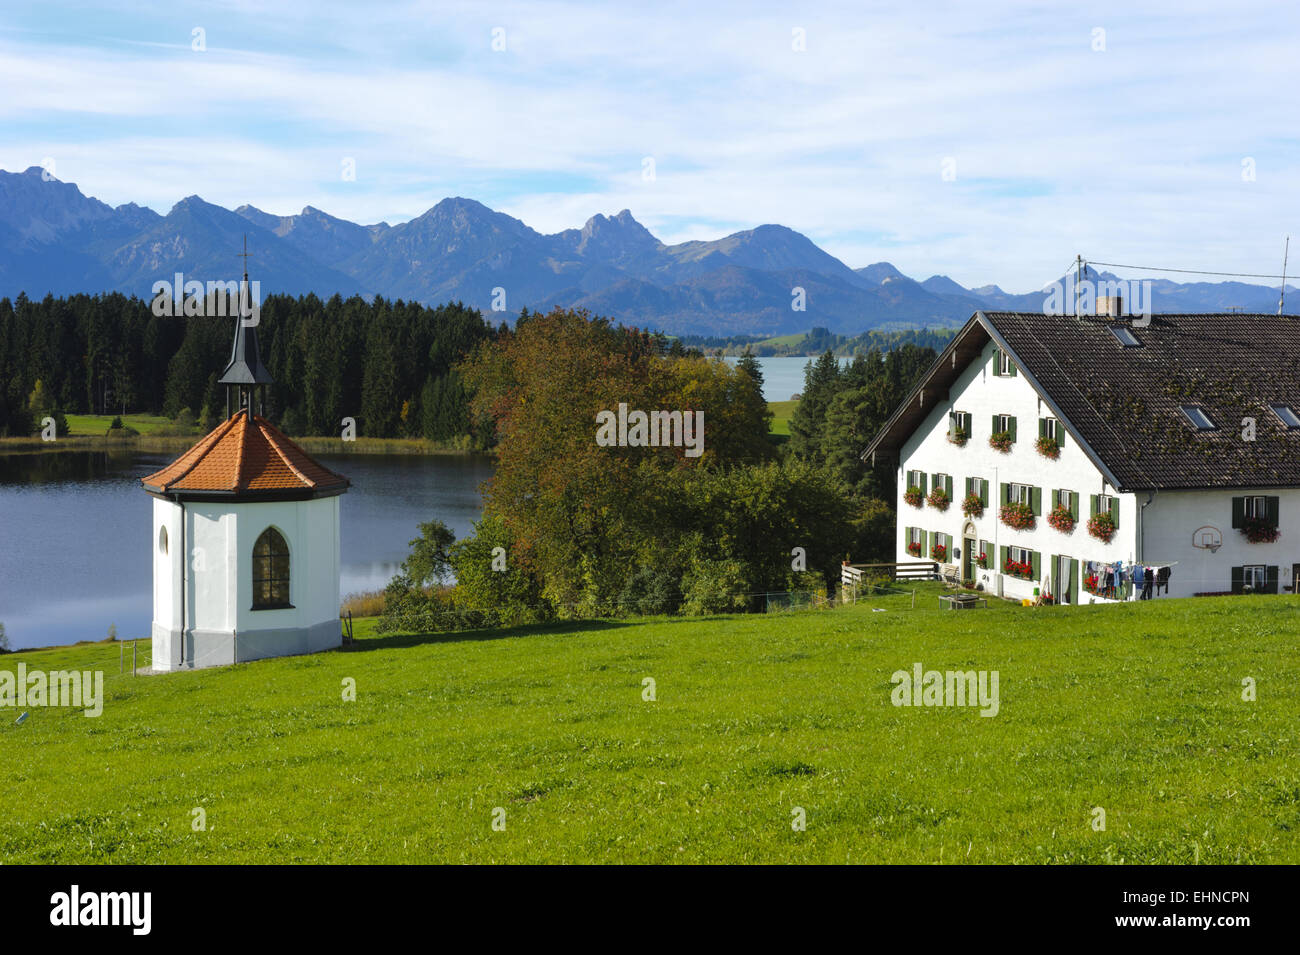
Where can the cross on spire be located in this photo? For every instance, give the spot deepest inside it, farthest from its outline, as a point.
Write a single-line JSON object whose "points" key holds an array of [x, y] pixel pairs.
{"points": [[244, 255]]}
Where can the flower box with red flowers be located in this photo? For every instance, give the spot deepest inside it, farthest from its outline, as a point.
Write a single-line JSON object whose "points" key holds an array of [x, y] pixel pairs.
{"points": [[983, 561], [1017, 515], [1259, 531], [938, 499], [939, 552], [914, 549], [1017, 568], [914, 496], [1048, 447], [972, 506], [1090, 583], [1001, 441], [1061, 519], [1102, 527]]}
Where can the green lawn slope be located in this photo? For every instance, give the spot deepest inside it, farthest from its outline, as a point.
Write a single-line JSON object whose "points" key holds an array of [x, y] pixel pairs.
{"points": [[1135, 709]]}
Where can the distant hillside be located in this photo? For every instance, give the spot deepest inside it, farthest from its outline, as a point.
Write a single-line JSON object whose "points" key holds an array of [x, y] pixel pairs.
{"points": [[54, 239]]}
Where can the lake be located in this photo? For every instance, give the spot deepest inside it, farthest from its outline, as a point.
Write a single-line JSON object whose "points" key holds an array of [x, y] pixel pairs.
{"points": [[75, 533], [783, 374]]}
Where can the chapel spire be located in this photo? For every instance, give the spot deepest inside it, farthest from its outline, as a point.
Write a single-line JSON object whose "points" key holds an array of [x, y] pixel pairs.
{"points": [[245, 372]]}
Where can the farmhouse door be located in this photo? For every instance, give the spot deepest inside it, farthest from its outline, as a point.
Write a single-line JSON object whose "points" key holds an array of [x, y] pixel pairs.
{"points": [[968, 559], [1063, 580]]}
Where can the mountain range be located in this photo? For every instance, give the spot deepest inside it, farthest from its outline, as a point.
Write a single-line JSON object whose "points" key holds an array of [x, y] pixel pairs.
{"points": [[54, 239]]}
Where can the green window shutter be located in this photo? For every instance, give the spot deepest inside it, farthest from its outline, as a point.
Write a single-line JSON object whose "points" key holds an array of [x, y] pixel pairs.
{"points": [[1056, 498], [947, 485], [1074, 505], [997, 356], [1036, 500], [1093, 507], [984, 493], [1114, 511], [1002, 557], [968, 491], [1034, 562], [994, 425], [1271, 511], [1074, 581], [1238, 511], [1270, 580], [1238, 579], [1006, 492], [1013, 430], [1060, 434], [1042, 427], [922, 478], [1011, 366]]}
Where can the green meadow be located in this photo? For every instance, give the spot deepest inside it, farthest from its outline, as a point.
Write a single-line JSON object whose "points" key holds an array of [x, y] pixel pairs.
{"points": [[1133, 709], [98, 424], [782, 411]]}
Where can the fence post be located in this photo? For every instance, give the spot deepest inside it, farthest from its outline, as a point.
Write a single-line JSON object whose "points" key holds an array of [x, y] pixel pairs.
{"points": [[913, 599], [133, 645], [121, 658]]}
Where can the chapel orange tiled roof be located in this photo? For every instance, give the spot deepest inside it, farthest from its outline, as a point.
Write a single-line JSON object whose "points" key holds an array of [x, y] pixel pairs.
{"points": [[245, 454]]}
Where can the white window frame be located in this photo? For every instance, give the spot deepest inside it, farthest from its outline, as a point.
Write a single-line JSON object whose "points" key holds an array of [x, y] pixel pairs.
{"points": [[1068, 498], [1104, 503], [1004, 423], [1020, 493], [1020, 555], [1005, 364], [1254, 576], [1052, 429], [915, 535], [1256, 506], [978, 486]]}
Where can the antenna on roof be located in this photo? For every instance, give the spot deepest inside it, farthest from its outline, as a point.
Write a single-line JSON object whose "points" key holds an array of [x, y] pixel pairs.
{"points": [[1282, 296], [1078, 278]]}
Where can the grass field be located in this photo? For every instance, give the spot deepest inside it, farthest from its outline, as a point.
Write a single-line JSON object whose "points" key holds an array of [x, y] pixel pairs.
{"points": [[782, 412], [97, 424], [1136, 709]]}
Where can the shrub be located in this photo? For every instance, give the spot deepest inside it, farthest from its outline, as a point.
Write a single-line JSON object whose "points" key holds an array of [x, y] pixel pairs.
{"points": [[1061, 519], [651, 592], [972, 506], [715, 586]]}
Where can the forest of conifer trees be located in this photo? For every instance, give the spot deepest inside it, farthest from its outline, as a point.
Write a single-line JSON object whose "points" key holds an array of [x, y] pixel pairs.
{"points": [[388, 365]]}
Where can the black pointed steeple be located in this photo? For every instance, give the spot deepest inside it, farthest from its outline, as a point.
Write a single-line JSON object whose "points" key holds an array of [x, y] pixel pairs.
{"points": [[245, 372]]}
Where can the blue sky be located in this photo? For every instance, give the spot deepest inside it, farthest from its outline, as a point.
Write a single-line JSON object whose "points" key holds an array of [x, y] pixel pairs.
{"points": [[987, 141]]}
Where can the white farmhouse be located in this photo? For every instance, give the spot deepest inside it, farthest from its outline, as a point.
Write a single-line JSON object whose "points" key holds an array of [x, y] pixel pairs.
{"points": [[245, 538], [1098, 458]]}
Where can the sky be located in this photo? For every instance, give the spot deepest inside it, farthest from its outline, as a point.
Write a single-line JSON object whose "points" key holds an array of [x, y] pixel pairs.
{"points": [[990, 142]]}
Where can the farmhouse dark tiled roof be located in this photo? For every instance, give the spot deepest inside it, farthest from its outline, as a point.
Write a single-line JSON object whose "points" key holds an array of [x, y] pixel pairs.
{"points": [[1124, 403], [245, 455]]}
